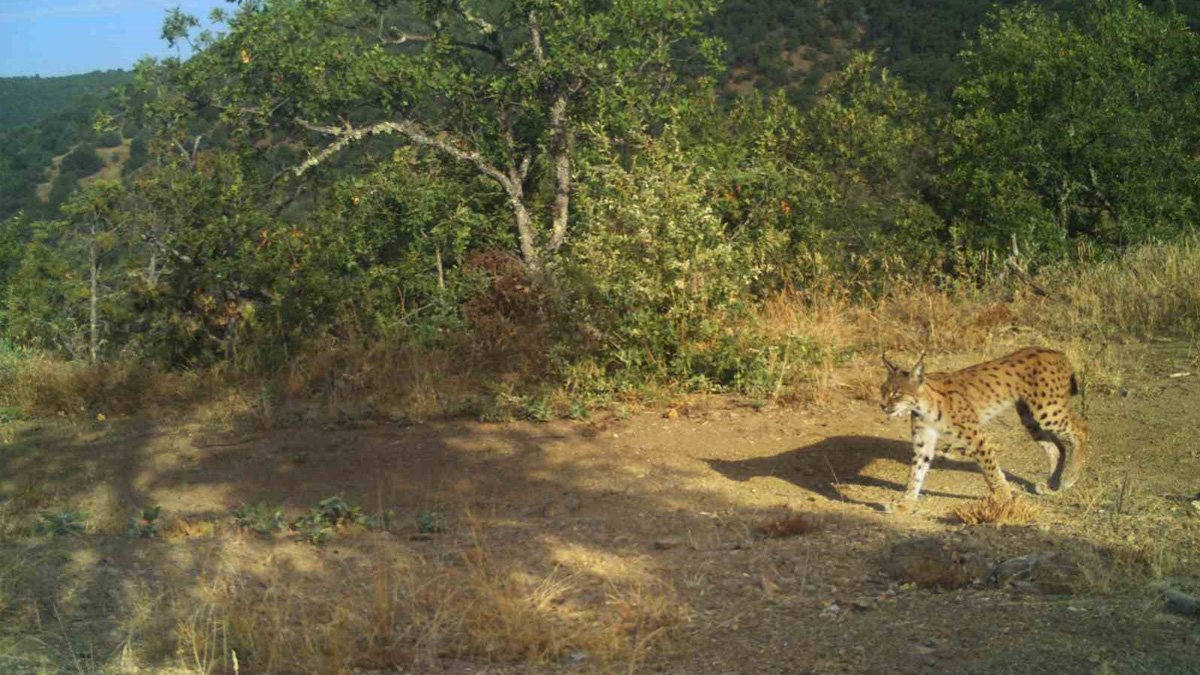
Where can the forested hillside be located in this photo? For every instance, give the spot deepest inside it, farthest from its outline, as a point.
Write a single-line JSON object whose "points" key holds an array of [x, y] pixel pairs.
{"points": [[571, 190], [52, 142], [26, 100]]}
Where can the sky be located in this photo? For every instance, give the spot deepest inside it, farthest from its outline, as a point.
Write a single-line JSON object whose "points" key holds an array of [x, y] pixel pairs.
{"points": [[66, 37]]}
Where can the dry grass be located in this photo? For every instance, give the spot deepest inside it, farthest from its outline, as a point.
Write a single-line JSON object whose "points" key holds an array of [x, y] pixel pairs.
{"points": [[44, 386], [1150, 290], [788, 525], [997, 511], [376, 605], [401, 611]]}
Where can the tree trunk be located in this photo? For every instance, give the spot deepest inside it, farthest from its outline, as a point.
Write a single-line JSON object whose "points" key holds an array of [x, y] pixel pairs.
{"points": [[525, 234], [441, 273], [152, 270], [93, 300], [562, 173]]}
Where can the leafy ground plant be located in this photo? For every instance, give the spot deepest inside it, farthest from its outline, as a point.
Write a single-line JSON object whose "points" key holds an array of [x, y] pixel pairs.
{"points": [[260, 518], [145, 525], [330, 514], [60, 523]]}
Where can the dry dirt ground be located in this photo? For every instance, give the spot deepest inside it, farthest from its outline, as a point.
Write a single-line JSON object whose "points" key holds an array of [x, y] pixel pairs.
{"points": [[666, 502]]}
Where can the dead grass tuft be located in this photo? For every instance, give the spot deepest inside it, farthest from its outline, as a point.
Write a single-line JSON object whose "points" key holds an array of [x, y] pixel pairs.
{"points": [[998, 511], [788, 525]]}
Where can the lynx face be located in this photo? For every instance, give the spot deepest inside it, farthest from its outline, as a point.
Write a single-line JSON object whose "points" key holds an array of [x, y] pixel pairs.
{"points": [[953, 407], [901, 392]]}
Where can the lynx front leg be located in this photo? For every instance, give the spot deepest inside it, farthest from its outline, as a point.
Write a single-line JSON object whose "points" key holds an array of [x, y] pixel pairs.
{"points": [[924, 445], [982, 453]]}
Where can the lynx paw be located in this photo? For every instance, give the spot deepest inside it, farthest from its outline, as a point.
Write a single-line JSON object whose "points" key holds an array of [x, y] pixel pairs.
{"points": [[901, 506]]}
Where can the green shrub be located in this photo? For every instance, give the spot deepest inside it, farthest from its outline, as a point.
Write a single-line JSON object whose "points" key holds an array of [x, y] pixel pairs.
{"points": [[108, 139], [653, 283]]}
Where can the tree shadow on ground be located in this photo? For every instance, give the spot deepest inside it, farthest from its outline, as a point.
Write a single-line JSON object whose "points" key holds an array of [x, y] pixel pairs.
{"points": [[531, 501]]}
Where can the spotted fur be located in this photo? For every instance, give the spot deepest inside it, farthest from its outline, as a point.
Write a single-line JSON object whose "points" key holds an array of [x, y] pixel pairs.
{"points": [[953, 407]]}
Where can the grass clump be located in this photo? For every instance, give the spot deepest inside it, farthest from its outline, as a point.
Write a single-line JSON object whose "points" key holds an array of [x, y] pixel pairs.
{"points": [[399, 611], [997, 511], [60, 523]]}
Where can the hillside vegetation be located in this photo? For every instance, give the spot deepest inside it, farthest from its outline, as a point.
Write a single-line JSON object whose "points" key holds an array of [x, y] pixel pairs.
{"points": [[27, 100], [53, 142], [260, 311], [571, 206]]}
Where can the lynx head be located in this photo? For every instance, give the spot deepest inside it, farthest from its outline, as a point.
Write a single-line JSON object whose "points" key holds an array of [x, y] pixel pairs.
{"points": [[902, 388]]}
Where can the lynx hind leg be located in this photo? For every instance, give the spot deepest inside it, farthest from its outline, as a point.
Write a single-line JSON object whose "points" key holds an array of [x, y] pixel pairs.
{"points": [[1054, 462], [1073, 437], [1050, 444]]}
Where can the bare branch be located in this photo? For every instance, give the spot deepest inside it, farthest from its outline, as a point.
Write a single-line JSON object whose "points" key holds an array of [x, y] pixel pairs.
{"points": [[476, 20], [400, 38], [535, 34], [561, 144], [345, 135]]}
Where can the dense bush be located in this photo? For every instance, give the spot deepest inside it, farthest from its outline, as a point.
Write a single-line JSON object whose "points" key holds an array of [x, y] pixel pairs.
{"points": [[654, 283], [82, 161], [108, 139]]}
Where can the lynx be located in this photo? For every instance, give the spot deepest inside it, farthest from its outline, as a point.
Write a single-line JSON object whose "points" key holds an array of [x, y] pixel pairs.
{"points": [[954, 406]]}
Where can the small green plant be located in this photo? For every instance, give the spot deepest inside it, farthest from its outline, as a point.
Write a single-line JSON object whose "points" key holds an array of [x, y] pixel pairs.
{"points": [[145, 525], [9, 414], [430, 522], [537, 409], [578, 410], [260, 518], [312, 530], [264, 406], [60, 523], [332, 513], [336, 512]]}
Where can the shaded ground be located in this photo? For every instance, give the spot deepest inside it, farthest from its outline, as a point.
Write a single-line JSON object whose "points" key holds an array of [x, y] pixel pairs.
{"points": [[670, 500]]}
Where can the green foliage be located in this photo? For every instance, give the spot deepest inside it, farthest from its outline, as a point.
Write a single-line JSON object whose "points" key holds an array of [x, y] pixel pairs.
{"points": [[109, 139], [561, 192], [42, 306], [82, 161], [60, 523], [312, 530], [145, 524], [545, 70], [431, 522], [827, 192], [260, 518], [26, 100], [1087, 128], [654, 280], [319, 524]]}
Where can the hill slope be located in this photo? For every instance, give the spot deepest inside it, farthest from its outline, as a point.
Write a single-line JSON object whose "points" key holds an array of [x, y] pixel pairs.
{"points": [[26, 100]]}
